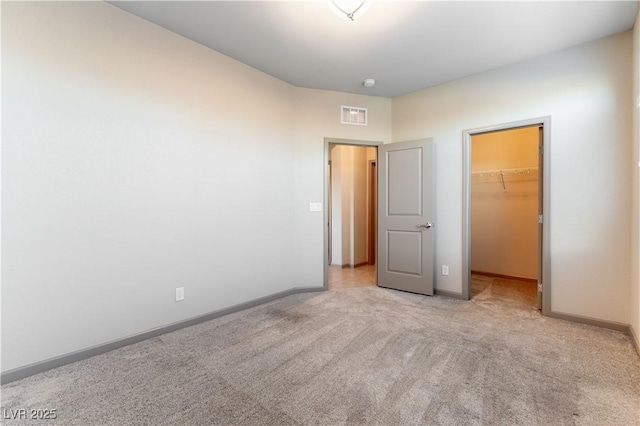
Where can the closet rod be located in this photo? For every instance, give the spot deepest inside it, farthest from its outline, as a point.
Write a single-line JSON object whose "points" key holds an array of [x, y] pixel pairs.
{"points": [[503, 172]]}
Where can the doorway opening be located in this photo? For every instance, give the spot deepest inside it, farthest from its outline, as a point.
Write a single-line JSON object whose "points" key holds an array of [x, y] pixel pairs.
{"points": [[506, 200], [351, 199]]}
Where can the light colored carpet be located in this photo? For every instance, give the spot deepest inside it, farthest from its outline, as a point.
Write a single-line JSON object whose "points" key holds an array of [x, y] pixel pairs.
{"points": [[493, 292], [362, 356]]}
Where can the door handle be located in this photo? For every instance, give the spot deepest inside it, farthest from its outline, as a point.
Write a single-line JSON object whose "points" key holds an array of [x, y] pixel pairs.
{"points": [[426, 225]]}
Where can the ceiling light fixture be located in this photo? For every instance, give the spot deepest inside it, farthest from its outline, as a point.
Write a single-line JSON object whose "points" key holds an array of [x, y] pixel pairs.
{"points": [[349, 9], [369, 82]]}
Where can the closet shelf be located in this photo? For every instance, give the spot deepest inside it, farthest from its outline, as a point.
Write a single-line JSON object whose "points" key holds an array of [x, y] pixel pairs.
{"points": [[526, 171], [502, 172]]}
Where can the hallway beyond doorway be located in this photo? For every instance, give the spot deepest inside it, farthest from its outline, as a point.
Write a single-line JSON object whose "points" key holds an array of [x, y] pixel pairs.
{"points": [[362, 276]]}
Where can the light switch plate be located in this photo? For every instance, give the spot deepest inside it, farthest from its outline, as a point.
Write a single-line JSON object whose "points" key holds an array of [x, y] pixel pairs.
{"points": [[179, 294], [315, 207]]}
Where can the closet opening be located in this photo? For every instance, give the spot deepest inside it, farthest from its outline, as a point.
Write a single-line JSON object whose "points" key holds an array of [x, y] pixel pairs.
{"points": [[351, 200], [505, 201]]}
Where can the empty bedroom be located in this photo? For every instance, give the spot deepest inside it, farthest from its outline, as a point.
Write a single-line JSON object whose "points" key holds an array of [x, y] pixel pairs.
{"points": [[320, 212]]}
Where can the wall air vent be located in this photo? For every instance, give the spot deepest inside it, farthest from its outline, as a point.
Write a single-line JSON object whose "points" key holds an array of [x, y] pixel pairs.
{"points": [[353, 115]]}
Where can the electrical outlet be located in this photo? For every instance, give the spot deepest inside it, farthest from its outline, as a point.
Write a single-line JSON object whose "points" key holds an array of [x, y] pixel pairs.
{"points": [[179, 294], [445, 270]]}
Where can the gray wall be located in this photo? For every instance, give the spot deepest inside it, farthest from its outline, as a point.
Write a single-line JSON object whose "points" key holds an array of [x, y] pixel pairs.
{"points": [[136, 161], [128, 174], [586, 90]]}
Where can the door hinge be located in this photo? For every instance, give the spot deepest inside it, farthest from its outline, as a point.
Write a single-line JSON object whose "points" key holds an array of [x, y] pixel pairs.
{"points": [[539, 218], [539, 287]]}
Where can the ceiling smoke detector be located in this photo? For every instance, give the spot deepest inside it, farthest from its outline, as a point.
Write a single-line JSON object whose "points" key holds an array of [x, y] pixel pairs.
{"points": [[369, 82]]}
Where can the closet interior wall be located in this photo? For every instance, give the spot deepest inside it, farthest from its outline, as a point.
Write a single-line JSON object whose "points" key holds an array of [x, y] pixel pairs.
{"points": [[504, 203]]}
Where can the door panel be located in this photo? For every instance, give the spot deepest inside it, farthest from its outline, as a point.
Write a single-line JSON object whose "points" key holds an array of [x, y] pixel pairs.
{"points": [[404, 251], [405, 207], [404, 183]]}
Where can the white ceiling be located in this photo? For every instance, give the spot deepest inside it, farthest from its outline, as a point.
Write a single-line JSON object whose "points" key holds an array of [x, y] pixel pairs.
{"points": [[404, 45]]}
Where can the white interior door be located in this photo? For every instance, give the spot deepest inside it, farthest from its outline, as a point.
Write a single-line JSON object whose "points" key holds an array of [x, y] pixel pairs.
{"points": [[405, 221]]}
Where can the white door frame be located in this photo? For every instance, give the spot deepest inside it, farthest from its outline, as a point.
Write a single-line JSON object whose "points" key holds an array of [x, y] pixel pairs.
{"points": [[545, 174], [325, 222]]}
